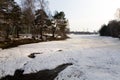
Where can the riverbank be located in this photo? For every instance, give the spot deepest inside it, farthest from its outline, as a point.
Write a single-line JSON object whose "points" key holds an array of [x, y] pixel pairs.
{"points": [[15, 43]]}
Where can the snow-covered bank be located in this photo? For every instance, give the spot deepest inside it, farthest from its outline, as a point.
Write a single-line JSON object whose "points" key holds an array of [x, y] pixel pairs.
{"points": [[93, 58]]}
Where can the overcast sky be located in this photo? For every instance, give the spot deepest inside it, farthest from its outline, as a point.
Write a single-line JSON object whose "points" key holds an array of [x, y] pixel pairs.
{"points": [[86, 14]]}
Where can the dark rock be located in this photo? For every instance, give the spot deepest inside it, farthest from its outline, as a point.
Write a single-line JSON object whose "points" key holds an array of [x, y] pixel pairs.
{"points": [[60, 50], [32, 55]]}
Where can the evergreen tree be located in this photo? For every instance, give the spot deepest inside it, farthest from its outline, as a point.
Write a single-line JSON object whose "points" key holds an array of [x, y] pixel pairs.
{"points": [[40, 21], [61, 23], [11, 12]]}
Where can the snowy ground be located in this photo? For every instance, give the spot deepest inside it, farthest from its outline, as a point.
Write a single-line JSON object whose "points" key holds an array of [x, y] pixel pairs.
{"points": [[93, 58]]}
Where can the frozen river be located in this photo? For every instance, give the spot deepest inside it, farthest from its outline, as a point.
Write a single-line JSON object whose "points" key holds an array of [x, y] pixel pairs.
{"points": [[93, 58]]}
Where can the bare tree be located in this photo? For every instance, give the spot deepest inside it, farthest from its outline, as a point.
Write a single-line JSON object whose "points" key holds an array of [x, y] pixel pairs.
{"points": [[117, 14], [28, 9], [44, 5]]}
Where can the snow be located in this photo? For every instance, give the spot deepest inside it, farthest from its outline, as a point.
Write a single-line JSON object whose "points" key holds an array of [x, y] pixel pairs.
{"points": [[93, 58]]}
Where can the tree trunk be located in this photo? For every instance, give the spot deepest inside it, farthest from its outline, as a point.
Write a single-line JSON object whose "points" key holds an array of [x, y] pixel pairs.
{"points": [[41, 33], [53, 32]]}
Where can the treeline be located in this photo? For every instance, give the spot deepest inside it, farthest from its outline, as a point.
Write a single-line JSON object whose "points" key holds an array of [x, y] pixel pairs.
{"points": [[32, 19], [111, 29], [82, 32]]}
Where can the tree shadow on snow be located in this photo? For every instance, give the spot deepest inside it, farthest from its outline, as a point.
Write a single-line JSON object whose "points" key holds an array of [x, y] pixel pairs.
{"points": [[41, 75]]}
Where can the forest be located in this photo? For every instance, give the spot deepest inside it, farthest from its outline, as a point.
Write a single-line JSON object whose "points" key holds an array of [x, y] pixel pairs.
{"points": [[111, 29], [30, 21]]}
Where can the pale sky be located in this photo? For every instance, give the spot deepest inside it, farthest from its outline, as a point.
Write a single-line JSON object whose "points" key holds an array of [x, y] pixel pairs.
{"points": [[86, 14]]}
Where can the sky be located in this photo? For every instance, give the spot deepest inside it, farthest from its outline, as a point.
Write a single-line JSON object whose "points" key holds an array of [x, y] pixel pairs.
{"points": [[86, 15]]}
